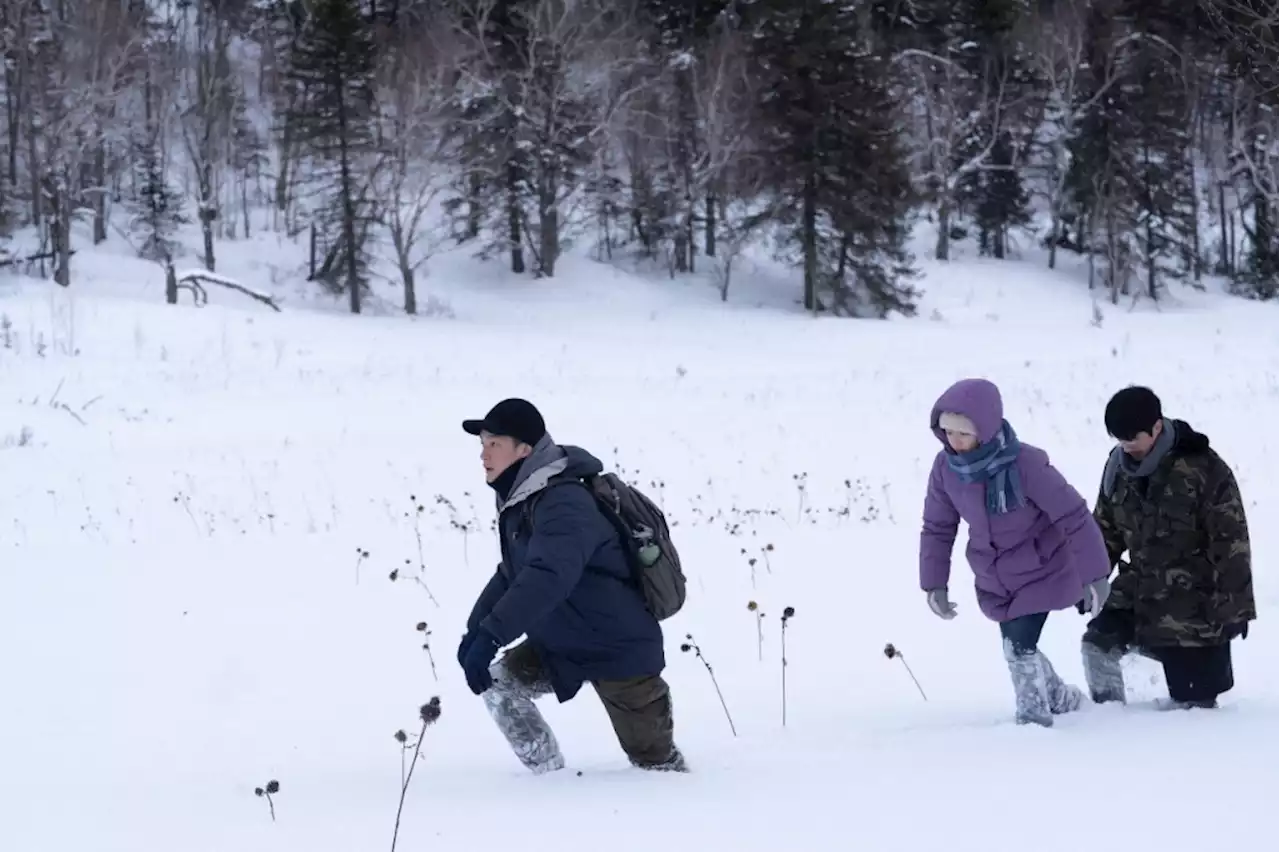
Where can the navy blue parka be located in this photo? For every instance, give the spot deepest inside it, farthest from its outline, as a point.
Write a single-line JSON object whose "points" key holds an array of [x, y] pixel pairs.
{"points": [[564, 581]]}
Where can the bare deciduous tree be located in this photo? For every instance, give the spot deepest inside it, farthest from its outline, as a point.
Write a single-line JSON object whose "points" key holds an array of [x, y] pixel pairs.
{"points": [[726, 172], [206, 99], [415, 151], [1060, 57], [76, 63], [554, 75], [956, 106]]}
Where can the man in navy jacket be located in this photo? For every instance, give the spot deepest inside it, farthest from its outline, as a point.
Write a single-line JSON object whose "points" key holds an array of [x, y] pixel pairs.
{"points": [[565, 584]]}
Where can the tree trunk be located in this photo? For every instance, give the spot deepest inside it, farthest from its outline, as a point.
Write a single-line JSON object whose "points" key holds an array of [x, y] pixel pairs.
{"points": [[809, 238], [514, 229], [548, 225], [709, 225], [100, 193], [348, 212], [1224, 253], [13, 112], [942, 249], [208, 211], [475, 207], [410, 287], [62, 239]]}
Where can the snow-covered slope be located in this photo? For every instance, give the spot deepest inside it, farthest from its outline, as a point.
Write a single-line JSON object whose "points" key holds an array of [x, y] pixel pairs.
{"points": [[185, 612]]}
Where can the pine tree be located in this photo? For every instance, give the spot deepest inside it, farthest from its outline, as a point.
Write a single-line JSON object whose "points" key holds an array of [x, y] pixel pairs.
{"points": [[1000, 201], [1161, 118], [990, 53], [678, 190], [1099, 184], [159, 208], [832, 151], [332, 63], [683, 24], [531, 109], [493, 186]]}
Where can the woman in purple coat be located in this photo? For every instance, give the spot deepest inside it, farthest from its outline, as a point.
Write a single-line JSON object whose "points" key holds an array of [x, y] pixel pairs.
{"points": [[1033, 544]]}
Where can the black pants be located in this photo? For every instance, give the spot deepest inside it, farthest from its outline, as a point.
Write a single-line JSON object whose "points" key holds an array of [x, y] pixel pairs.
{"points": [[1023, 632], [1195, 675]]}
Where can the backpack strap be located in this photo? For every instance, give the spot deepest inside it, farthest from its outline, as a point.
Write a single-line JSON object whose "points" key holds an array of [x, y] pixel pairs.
{"points": [[527, 507], [619, 527]]}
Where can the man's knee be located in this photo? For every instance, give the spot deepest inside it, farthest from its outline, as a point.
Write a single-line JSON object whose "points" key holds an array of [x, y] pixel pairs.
{"points": [[1110, 631], [521, 672], [523, 664], [641, 713]]}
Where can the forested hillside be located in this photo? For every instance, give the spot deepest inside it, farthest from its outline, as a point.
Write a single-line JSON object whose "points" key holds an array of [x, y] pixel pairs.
{"points": [[1141, 134]]}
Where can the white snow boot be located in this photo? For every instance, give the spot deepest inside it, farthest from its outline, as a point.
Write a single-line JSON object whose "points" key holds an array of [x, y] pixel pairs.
{"points": [[1030, 686], [1102, 673], [1063, 697]]}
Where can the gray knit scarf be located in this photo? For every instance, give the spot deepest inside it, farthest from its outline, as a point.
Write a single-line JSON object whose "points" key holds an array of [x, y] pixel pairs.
{"points": [[1120, 463]]}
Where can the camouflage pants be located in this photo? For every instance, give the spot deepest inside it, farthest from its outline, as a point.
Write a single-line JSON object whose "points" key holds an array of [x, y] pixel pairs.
{"points": [[1196, 676], [639, 710]]}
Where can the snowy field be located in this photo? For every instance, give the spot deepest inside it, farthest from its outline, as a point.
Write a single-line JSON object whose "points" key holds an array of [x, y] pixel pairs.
{"points": [[187, 610]]}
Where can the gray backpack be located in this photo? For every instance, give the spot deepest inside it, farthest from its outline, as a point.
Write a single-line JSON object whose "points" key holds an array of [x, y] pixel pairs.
{"points": [[646, 540]]}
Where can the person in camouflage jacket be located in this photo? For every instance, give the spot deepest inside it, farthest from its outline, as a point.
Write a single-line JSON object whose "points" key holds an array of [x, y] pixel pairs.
{"points": [[1187, 588]]}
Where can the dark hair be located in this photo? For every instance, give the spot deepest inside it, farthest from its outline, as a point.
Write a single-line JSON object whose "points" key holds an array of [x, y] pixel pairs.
{"points": [[1131, 412]]}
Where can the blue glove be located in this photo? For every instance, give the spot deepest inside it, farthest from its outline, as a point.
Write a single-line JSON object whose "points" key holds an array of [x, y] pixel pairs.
{"points": [[479, 654]]}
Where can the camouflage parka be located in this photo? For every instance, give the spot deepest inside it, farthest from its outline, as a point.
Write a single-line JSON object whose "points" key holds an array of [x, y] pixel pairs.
{"points": [[1189, 578]]}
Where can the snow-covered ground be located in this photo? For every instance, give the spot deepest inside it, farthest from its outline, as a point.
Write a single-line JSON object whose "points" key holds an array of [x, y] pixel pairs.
{"points": [[185, 613]]}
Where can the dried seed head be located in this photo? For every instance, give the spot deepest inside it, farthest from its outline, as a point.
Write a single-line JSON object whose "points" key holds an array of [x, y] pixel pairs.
{"points": [[429, 713], [258, 791], [686, 647], [421, 626], [273, 787], [752, 606], [394, 575], [890, 651], [401, 737], [788, 613]]}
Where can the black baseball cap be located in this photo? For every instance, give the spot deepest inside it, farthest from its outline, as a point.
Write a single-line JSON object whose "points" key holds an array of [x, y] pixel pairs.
{"points": [[514, 418]]}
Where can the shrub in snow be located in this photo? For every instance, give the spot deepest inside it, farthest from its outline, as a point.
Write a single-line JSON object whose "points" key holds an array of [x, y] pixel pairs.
{"points": [[691, 645], [428, 714]]}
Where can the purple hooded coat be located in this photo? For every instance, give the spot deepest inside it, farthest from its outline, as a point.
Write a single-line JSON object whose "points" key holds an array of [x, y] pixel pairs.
{"points": [[1037, 558]]}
